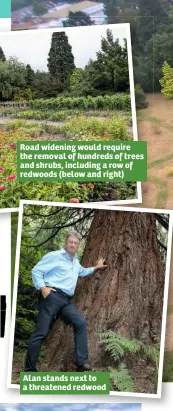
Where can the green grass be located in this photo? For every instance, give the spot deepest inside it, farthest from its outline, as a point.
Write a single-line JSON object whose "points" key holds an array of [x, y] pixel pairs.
{"points": [[154, 119], [156, 180], [163, 193], [170, 309], [160, 161], [168, 127], [149, 118], [162, 198], [168, 367]]}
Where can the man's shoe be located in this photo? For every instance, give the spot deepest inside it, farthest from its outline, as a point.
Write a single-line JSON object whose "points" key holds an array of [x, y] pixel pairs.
{"points": [[84, 367]]}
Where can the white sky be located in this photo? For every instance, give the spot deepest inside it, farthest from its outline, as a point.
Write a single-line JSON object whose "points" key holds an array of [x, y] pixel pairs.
{"points": [[32, 46]]}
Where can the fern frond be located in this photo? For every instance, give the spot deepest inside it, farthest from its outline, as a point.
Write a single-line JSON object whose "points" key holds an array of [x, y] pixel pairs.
{"points": [[121, 379]]}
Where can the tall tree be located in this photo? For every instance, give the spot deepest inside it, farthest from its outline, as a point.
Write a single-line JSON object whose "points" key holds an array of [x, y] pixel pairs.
{"points": [[76, 80], [167, 81], [12, 78], [126, 298], [2, 55], [114, 8], [78, 18], [30, 76], [151, 15], [61, 60], [157, 50], [109, 72]]}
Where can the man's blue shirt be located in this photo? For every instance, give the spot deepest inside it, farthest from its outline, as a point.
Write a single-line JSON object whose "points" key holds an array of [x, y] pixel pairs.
{"points": [[57, 269]]}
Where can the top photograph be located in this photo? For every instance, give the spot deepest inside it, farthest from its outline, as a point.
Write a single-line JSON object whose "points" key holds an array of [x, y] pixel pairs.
{"points": [[66, 84]]}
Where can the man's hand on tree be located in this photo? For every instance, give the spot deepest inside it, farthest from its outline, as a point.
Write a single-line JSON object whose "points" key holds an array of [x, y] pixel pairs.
{"points": [[46, 291], [100, 264]]}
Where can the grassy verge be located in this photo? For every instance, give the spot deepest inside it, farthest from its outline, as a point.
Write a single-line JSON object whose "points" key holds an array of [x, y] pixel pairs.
{"points": [[168, 367]]}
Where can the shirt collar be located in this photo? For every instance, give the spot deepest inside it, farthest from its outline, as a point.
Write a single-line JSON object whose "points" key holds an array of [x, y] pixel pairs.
{"points": [[63, 251]]}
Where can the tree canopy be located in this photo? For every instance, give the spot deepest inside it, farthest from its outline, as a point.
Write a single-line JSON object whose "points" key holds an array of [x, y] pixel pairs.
{"points": [[78, 18], [106, 74]]}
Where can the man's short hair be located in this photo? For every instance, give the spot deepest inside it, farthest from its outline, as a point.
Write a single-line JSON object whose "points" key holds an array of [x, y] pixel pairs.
{"points": [[74, 234]]}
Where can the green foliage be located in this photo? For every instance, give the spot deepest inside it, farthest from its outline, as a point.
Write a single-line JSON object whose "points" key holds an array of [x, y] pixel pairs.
{"points": [[42, 115], [121, 379], [30, 76], [44, 86], [76, 80], [12, 78], [27, 94], [61, 60], [78, 18], [168, 367], [85, 128], [14, 190], [149, 43], [167, 81], [115, 102], [2, 55], [109, 72], [117, 346], [140, 98], [76, 128]]}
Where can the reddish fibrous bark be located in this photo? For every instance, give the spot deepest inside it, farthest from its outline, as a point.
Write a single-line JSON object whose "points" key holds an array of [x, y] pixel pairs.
{"points": [[125, 297]]}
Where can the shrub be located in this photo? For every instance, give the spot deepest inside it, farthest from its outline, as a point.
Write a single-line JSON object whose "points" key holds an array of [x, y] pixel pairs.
{"points": [[94, 128], [140, 98], [117, 347], [169, 171], [117, 101], [121, 379], [167, 81], [168, 367], [42, 115]]}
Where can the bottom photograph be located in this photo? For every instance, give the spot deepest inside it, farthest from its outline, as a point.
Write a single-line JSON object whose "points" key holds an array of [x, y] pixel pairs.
{"points": [[71, 407], [90, 293]]}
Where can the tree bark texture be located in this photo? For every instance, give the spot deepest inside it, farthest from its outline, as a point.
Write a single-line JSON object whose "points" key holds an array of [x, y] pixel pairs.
{"points": [[126, 297]]}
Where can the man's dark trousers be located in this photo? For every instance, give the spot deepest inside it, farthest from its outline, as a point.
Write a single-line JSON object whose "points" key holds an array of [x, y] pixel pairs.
{"points": [[57, 304]]}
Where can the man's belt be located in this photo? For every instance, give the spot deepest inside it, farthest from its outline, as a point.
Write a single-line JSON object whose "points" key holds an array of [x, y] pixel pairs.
{"points": [[60, 291]]}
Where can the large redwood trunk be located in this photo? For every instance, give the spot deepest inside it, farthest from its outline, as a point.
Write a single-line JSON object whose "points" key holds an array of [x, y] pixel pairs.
{"points": [[127, 296]]}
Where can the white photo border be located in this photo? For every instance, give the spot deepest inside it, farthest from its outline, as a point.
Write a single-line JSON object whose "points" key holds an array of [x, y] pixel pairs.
{"points": [[132, 94], [166, 286]]}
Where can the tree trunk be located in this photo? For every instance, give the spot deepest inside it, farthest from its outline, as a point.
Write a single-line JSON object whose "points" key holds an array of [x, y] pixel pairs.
{"points": [[126, 297]]}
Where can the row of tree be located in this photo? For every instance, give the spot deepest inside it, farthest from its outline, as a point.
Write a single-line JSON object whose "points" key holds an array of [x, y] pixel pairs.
{"points": [[151, 30], [152, 35], [108, 73]]}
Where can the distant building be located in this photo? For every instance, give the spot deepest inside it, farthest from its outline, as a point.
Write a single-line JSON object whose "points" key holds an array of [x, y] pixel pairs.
{"points": [[56, 14]]}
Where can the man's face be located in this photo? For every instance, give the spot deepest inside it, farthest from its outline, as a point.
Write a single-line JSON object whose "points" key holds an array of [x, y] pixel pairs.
{"points": [[72, 244]]}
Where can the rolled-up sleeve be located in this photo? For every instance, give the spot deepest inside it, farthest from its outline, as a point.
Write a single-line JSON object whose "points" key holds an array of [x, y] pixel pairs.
{"points": [[85, 271], [40, 269]]}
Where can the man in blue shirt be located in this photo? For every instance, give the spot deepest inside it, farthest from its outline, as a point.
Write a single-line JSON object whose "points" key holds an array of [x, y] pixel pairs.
{"points": [[56, 276]]}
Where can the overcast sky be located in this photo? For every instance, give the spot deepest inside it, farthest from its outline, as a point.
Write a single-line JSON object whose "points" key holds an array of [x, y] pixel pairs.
{"points": [[32, 46], [71, 407]]}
